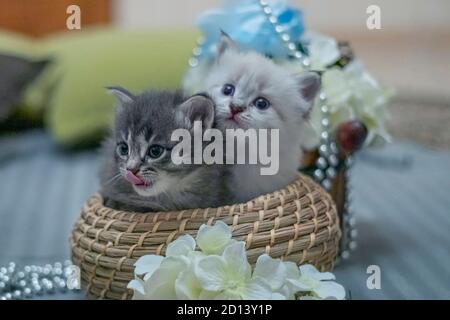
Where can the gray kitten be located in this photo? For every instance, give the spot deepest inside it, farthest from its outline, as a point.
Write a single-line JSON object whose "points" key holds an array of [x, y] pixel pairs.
{"points": [[137, 172]]}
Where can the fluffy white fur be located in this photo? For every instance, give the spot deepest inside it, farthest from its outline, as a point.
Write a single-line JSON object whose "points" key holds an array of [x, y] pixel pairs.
{"points": [[290, 96]]}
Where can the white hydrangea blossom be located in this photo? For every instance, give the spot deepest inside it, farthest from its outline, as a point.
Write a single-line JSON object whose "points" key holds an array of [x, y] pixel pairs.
{"points": [[220, 270]]}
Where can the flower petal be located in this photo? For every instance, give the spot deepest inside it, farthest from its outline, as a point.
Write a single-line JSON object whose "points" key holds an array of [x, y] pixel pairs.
{"points": [[138, 289], [257, 289], [207, 295], [181, 246], [311, 271], [213, 239], [187, 286], [147, 264], [300, 285], [292, 270], [161, 285], [236, 259], [330, 289], [273, 271], [211, 273]]}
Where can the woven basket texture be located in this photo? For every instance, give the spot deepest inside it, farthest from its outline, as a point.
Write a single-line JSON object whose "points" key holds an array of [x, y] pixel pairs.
{"points": [[298, 223]]}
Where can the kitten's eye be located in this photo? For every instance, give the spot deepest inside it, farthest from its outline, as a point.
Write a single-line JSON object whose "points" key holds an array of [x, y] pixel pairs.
{"points": [[261, 103], [155, 151], [122, 149], [228, 90]]}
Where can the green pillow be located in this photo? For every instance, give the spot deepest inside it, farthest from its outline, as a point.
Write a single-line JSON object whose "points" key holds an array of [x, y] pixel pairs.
{"points": [[80, 110]]}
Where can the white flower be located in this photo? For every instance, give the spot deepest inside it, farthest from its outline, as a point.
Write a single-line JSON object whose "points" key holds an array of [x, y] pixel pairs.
{"points": [[273, 271], [221, 271], [182, 246], [322, 50], [317, 283], [352, 94], [213, 239], [187, 286], [230, 275]]}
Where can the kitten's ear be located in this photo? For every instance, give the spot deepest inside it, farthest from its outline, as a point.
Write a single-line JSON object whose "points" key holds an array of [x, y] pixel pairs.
{"points": [[196, 108], [225, 44], [309, 84], [123, 95]]}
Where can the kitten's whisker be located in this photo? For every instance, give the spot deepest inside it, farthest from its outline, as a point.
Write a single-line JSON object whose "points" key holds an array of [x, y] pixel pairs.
{"points": [[113, 179]]}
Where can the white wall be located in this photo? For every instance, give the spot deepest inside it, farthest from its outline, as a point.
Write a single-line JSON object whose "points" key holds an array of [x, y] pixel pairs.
{"points": [[324, 15]]}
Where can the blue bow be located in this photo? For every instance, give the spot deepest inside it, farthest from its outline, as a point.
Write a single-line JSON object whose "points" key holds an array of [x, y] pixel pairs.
{"points": [[245, 22]]}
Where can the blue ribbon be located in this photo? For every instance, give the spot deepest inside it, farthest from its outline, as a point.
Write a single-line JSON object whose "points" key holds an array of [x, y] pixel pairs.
{"points": [[245, 22]]}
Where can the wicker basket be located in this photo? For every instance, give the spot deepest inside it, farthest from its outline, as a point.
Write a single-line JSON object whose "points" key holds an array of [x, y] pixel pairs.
{"points": [[298, 223]]}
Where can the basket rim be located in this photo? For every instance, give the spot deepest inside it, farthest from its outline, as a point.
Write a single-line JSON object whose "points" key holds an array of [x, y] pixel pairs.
{"points": [[263, 202]]}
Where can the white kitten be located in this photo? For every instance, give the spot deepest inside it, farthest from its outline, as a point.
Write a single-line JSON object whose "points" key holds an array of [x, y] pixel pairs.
{"points": [[251, 91]]}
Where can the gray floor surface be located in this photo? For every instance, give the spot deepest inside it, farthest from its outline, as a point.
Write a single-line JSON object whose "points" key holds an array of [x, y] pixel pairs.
{"points": [[401, 200]]}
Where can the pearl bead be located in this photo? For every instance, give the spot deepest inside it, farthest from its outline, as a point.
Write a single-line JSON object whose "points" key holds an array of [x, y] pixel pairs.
{"points": [[61, 286], [273, 20], [27, 292], [326, 184], [323, 150], [197, 51], [193, 62], [17, 294], [306, 62], [324, 135], [38, 289], [352, 222], [333, 147], [324, 109], [279, 29], [8, 296], [57, 271], [333, 160], [331, 173], [46, 271], [291, 46], [322, 163], [285, 37], [345, 254], [318, 174], [267, 10]]}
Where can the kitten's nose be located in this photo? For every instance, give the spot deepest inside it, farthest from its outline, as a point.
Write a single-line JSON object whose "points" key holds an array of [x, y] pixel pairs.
{"points": [[235, 109], [133, 170]]}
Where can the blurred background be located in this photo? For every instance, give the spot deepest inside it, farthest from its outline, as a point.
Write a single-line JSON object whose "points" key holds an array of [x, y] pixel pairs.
{"points": [[53, 113]]}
